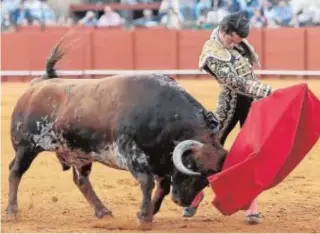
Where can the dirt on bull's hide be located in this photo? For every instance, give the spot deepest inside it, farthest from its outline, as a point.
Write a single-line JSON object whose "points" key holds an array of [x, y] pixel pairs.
{"points": [[50, 202]]}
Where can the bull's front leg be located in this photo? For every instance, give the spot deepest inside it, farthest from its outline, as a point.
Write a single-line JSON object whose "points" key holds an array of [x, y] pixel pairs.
{"points": [[163, 189], [81, 179], [145, 216]]}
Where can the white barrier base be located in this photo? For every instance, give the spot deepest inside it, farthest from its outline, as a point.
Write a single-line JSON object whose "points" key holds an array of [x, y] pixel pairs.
{"points": [[15, 73]]}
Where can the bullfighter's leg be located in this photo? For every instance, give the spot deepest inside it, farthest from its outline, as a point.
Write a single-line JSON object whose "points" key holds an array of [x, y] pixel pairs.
{"points": [[244, 103], [243, 108], [253, 216], [227, 113], [18, 166], [163, 189], [81, 179]]}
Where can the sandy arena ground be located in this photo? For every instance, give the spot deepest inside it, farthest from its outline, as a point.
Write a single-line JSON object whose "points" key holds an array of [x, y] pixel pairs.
{"points": [[293, 206]]}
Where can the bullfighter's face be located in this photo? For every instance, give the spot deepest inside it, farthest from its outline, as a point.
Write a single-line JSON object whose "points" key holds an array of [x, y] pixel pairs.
{"points": [[229, 40]]}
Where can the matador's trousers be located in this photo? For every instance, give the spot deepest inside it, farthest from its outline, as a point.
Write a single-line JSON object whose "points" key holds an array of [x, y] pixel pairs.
{"points": [[231, 109]]}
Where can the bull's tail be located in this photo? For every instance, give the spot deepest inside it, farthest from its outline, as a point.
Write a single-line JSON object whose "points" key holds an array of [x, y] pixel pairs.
{"points": [[56, 54]]}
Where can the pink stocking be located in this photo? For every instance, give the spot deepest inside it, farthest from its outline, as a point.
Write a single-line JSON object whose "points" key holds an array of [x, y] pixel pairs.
{"points": [[196, 201], [253, 209]]}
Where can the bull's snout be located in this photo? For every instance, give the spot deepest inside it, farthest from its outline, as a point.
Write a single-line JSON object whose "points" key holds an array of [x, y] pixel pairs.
{"points": [[175, 201], [179, 202]]}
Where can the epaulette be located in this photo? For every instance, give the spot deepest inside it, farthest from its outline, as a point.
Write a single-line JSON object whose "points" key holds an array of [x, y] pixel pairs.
{"points": [[214, 49]]}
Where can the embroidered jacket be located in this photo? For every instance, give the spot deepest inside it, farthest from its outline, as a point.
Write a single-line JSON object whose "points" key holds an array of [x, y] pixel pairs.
{"points": [[233, 68]]}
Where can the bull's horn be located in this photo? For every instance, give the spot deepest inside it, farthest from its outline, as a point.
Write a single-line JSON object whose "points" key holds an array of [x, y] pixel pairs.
{"points": [[179, 151]]}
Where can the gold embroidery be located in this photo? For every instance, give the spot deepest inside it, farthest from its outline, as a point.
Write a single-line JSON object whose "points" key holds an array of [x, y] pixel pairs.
{"points": [[227, 76], [242, 66], [214, 49]]}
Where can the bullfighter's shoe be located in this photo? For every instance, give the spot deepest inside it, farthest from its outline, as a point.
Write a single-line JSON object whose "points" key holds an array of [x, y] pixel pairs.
{"points": [[253, 218], [190, 211]]}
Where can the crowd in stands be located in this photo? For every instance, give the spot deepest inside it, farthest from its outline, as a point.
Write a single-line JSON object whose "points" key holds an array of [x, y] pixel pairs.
{"points": [[204, 14]]}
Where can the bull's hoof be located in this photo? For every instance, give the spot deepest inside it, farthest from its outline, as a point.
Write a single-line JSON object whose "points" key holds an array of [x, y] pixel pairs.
{"points": [[12, 211], [145, 226], [104, 212], [253, 219], [145, 222]]}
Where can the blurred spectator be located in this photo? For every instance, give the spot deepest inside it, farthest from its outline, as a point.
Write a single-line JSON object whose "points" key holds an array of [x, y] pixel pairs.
{"points": [[268, 12], [249, 6], [217, 3], [89, 19], [21, 16], [305, 11], [258, 20], [165, 5], [283, 13], [8, 6], [41, 11], [201, 6], [34, 7], [316, 18], [175, 14], [216, 14], [148, 20], [110, 18], [188, 9], [48, 17], [127, 14], [172, 19], [231, 5], [202, 22], [5, 21]]}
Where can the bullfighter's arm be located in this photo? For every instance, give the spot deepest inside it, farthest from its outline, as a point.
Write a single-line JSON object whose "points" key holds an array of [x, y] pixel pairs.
{"points": [[227, 76]]}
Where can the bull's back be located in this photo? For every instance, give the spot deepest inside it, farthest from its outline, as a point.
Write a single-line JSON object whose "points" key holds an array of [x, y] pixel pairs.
{"points": [[155, 111]]}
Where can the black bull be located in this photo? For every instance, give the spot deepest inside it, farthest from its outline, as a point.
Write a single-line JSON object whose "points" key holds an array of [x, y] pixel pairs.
{"points": [[138, 123]]}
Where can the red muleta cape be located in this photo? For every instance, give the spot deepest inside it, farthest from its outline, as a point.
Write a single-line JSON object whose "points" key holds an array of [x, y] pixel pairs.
{"points": [[279, 132]]}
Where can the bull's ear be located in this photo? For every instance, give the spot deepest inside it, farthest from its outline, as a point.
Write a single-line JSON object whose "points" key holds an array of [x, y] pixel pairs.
{"points": [[206, 158], [211, 171]]}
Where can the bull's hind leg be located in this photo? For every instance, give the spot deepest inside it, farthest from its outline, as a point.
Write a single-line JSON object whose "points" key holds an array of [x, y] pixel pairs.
{"points": [[18, 166], [81, 179]]}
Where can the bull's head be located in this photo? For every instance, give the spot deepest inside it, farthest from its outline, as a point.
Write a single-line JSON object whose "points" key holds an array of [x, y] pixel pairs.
{"points": [[194, 162]]}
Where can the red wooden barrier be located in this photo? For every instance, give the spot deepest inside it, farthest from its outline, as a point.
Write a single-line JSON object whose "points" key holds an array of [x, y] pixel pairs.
{"points": [[285, 48], [155, 49], [112, 49], [312, 49], [190, 46]]}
